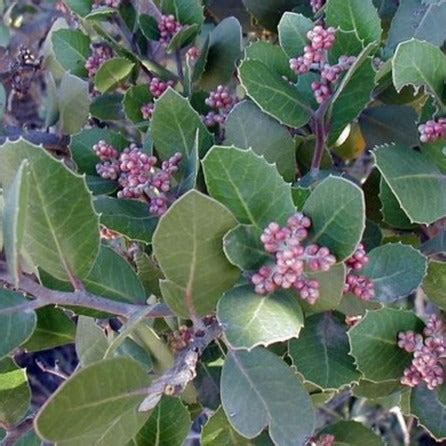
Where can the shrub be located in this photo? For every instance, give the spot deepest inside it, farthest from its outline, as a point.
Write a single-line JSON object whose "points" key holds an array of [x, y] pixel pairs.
{"points": [[223, 220]]}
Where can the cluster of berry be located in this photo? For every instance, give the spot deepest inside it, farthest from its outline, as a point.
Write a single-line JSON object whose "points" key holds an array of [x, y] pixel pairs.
{"points": [[108, 3], [222, 101], [431, 131], [291, 259], [138, 175], [428, 353], [322, 440], [156, 87], [316, 5], [360, 286], [100, 53], [168, 27], [315, 58]]}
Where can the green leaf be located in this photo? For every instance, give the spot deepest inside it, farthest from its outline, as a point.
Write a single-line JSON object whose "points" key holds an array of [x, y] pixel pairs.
{"points": [[389, 124], [112, 73], [359, 16], [15, 327], [149, 27], [174, 126], [74, 104], [420, 64], [269, 12], [15, 394], [101, 14], [250, 187], [114, 278], [436, 153], [81, 406], [134, 98], [337, 211], [61, 229], [321, 354], [248, 127], [107, 107], [149, 273], [187, 12], [373, 391], [130, 218], [243, 247], [353, 93], [396, 271], [274, 95], [218, 432], [272, 56], [331, 289], [259, 390], [374, 343], [81, 147], [250, 320], [80, 7], [118, 432], [72, 49], [53, 329], [91, 343], [426, 406], [101, 186], [168, 425], [434, 284], [415, 20], [352, 433], [293, 29], [188, 246], [416, 182], [347, 42], [14, 214], [182, 37], [391, 210]]}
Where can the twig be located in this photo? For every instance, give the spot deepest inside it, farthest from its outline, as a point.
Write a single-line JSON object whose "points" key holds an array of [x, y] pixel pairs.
{"points": [[45, 296], [16, 432], [320, 130], [50, 141], [402, 422], [174, 380], [52, 370], [179, 63]]}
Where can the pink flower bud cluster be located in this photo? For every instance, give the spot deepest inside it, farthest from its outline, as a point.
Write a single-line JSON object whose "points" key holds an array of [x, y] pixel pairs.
{"points": [[292, 259], [100, 53], [321, 40], [108, 3], [105, 151], [168, 27], [428, 352], [316, 5], [222, 101], [137, 174], [157, 87], [193, 53], [360, 286], [147, 110], [315, 58], [322, 440], [431, 131]]}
